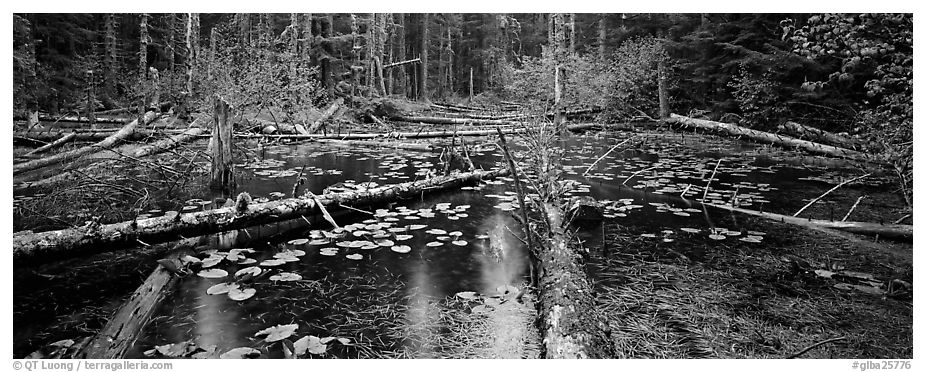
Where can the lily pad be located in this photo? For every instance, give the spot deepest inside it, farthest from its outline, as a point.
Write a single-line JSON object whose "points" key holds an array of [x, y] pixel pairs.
{"points": [[241, 353], [221, 288], [298, 241], [278, 332], [274, 262], [213, 273], [354, 256], [401, 248], [239, 294], [286, 277], [253, 270], [211, 261], [309, 344]]}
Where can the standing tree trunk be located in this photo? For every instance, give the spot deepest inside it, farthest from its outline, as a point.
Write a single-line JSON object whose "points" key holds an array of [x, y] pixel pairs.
{"points": [[109, 53], [400, 55], [308, 36], [192, 45], [572, 32], [213, 40], [559, 49], [602, 36], [664, 110], [222, 164], [441, 84], [143, 47], [423, 76], [169, 50]]}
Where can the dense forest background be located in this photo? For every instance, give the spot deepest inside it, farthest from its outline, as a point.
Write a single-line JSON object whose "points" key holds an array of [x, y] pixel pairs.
{"points": [[841, 72]]}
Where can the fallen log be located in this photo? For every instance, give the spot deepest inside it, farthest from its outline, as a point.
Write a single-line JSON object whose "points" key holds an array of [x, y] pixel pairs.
{"points": [[109, 142], [170, 142], [765, 137], [73, 119], [386, 144], [125, 327], [94, 237], [456, 121], [432, 134], [891, 231], [571, 326], [65, 139], [819, 135], [327, 114]]}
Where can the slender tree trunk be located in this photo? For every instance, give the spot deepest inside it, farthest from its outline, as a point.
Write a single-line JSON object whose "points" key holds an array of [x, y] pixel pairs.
{"points": [[664, 110], [109, 53], [602, 36], [170, 51], [441, 83], [143, 46], [390, 55], [401, 82], [423, 78], [192, 45], [213, 40], [572, 32]]}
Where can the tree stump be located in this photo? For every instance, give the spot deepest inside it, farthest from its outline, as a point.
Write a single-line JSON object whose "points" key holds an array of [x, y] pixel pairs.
{"points": [[222, 163]]}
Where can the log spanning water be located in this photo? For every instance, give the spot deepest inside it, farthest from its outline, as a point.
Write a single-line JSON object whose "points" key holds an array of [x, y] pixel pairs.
{"points": [[122, 235]]}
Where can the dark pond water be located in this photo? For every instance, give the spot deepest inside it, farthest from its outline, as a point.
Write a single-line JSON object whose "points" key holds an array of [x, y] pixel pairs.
{"points": [[390, 295]]}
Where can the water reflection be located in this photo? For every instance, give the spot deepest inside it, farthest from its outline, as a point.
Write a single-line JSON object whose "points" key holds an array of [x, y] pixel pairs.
{"points": [[502, 256]]}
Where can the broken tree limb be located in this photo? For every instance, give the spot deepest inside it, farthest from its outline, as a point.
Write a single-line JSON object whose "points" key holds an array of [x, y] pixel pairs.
{"points": [[59, 243], [170, 142], [765, 137], [385, 144], [819, 135], [455, 121], [327, 114], [397, 64], [65, 139], [892, 231], [109, 142], [829, 191], [72, 118], [124, 328]]}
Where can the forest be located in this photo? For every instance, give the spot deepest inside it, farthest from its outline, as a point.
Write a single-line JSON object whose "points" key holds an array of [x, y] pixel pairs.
{"points": [[462, 185]]}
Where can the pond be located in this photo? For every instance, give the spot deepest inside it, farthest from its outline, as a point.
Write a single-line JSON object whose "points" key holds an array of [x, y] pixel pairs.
{"points": [[441, 275]]}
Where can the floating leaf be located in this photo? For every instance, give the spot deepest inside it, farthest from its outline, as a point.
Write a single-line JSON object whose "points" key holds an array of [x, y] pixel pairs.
{"points": [[326, 340], [286, 277], [241, 353], [239, 294], [328, 251], [213, 273], [311, 344], [385, 243], [211, 261], [247, 261], [278, 332], [401, 248], [344, 341], [460, 242], [416, 227], [253, 270], [717, 236], [271, 263], [221, 288], [298, 241], [455, 233], [434, 244], [402, 237], [354, 256], [175, 350]]}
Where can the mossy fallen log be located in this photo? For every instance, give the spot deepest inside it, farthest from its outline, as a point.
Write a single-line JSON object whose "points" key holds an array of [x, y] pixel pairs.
{"points": [[109, 142], [818, 135], [95, 237], [776, 139]]}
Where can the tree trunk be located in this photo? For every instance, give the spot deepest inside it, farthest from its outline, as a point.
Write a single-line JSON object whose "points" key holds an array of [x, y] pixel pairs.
{"points": [[819, 135], [319, 123], [110, 57], [892, 231], [123, 235], [109, 142], [602, 37], [662, 86], [213, 40], [402, 63], [170, 142], [572, 32], [400, 55], [223, 177], [765, 137], [471, 84], [143, 47], [65, 139], [126, 326], [192, 45], [423, 76]]}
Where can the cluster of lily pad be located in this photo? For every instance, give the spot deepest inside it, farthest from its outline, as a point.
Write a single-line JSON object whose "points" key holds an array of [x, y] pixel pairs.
{"points": [[279, 333]]}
